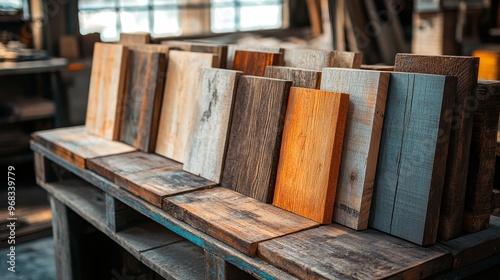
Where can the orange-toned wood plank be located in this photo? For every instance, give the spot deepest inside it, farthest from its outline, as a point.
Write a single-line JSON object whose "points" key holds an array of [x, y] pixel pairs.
{"points": [[254, 63]]}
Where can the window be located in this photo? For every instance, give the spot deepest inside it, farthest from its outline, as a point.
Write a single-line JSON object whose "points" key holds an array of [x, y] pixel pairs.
{"points": [[11, 5], [164, 18]]}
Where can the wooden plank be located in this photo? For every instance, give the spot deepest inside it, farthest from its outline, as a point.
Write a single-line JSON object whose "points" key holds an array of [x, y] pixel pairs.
{"points": [[142, 100], [254, 63], [412, 157], [318, 59], [474, 247], [465, 69], [312, 143], [336, 252], [219, 50], [207, 151], [74, 145], [367, 94], [111, 167], [347, 59], [156, 184], [482, 157], [235, 219], [231, 51], [107, 86], [181, 102], [299, 77], [255, 136], [315, 20], [150, 48], [135, 38]]}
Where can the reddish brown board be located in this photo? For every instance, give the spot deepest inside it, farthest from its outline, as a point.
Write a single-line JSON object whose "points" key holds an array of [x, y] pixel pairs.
{"points": [[254, 63]]}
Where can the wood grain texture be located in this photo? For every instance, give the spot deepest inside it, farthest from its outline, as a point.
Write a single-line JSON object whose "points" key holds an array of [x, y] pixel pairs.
{"points": [[219, 50], [207, 150], [255, 136], [412, 158], [231, 51], [254, 63], [299, 77], [482, 157], [312, 143], [318, 59], [111, 167], [142, 100], [336, 252], [181, 102], [76, 146], [367, 95], [107, 86], [135, 38], [155, 184], [150, 48], [235, 219], [465, 69]]}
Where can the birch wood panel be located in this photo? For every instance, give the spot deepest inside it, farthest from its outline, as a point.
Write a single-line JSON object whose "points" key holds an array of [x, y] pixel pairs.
{"points": [[207, 151], [367, 96], [312, 143], [299, 77], [255, 136], [466, 71], [107, 86], [181, 102], [412, 158]]}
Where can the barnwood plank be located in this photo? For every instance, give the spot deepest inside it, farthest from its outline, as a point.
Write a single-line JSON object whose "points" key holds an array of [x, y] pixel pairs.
{"points": [[312, 143], [235, 219], [207, 151], [474, 247], [300, 77], [76, 146], [412, 157], [111, 167], [255, 136], [181, 102], [106, 90], [142, 100], [219, 50], [156, 184], [482, 157], [254, 63], [465, 69], [367, 95], [135, 38], [318, 59], [336, 252]]}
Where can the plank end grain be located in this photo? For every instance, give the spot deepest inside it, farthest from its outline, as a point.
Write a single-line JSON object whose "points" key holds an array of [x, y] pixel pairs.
{"points": [[106, 90], [367, 97], [207, 150], [255, 136], [312, 143], [466, 71], [235, 219]]}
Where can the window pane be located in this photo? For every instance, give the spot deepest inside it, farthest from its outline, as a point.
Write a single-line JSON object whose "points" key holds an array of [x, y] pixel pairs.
{"points": [[134, 21], [134, 3], [93, 4], [222, 19], [11, 5], [103, 22], [166, 23], [260, 17]]}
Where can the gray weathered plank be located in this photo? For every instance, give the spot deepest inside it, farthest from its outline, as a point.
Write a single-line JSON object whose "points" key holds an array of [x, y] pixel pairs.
{"points": [[300, 77]]}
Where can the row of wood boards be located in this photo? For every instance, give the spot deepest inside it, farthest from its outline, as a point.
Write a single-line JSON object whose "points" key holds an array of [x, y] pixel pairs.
{"points": [[305, 140]]}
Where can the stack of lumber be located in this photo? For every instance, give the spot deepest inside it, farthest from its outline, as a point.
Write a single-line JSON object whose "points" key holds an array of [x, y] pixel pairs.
{"points": [[287, 141]]}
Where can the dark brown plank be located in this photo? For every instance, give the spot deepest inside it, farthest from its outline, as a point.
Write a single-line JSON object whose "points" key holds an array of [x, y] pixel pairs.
{"points": [[465, 69], [474, 247], [336, 252], [235, 219], [255, 136], [482, 157], [156, 184], [300, 77], [142, 100], [254, 63], [114, 166]]}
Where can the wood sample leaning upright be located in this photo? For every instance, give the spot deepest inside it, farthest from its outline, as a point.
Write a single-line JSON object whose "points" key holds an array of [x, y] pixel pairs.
{"points": [[300, 77], [142, 99], [319, 59], [254, 63], [367, 94], [219, 50], [107, 86], [181, 102], [482, 157], [207, 151], [465, 69], [311, 148], [412, 158], [255, 136]]}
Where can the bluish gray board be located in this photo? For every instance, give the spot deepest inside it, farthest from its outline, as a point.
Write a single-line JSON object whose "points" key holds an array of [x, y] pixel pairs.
{"points": [[207, 150], [412, 159]]}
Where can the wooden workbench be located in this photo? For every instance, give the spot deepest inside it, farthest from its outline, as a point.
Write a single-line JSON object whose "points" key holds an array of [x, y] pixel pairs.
{"points": [[85, 203]]}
